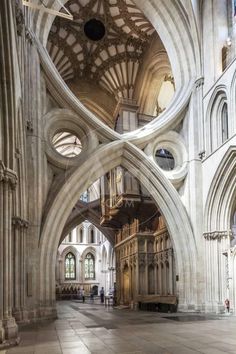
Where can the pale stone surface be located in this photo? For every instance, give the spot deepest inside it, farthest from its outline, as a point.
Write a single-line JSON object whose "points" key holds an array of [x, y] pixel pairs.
{"points": [[39, 188], [91, 328]]}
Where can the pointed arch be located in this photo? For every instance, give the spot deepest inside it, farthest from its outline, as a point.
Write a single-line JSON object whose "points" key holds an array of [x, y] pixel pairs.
{"points": [[221, 200], [164, 194], [214, 119]]}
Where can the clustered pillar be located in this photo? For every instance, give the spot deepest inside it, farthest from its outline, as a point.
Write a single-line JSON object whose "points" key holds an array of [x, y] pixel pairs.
{"points": [[216, 246], [8, 326]]}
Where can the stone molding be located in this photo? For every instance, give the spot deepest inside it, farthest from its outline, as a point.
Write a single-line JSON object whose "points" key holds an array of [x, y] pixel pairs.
{"points": [[20, 20], [217, 235], [63, 96], [29, 36], [29, 126], [8, 176], [19, 223], [199, 82]]}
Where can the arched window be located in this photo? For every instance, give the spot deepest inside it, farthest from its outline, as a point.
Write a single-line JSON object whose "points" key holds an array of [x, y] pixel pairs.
{"points": [[70, 266], [218, 128], [224, 123], [70, 237], [81, 236], [91, 236], [89, 266]]}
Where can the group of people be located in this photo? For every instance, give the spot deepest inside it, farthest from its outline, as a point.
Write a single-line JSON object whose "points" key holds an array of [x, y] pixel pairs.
{"points": [[81, 295]]}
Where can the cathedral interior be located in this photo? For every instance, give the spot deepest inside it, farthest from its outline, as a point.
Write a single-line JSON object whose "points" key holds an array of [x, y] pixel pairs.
{"points": [[117, 164]]}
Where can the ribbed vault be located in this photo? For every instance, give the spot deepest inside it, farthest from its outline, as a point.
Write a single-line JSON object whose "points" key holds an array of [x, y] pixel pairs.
{"points": [[102, 54]]}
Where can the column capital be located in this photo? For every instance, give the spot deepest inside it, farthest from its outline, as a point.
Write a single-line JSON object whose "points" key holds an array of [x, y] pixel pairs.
{"points": [[217, 235], [199, 82], [8, 176], [19, 222]]}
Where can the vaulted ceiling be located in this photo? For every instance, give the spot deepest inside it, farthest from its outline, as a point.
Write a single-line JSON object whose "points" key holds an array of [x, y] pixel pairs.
{"points": [[101, 49]]}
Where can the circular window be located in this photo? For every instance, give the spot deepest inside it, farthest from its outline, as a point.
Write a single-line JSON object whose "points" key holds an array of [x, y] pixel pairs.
{"points": [[165, 159], [67, 144], [94, 29]]}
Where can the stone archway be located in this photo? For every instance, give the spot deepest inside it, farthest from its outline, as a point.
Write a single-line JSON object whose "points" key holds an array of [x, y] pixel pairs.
{"points": [[163, 193], [222, 194], [77, 217], [218, 213]]}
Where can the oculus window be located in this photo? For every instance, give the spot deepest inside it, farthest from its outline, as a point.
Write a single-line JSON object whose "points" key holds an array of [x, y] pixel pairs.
{"points": [[67, 144], [165, 159]]}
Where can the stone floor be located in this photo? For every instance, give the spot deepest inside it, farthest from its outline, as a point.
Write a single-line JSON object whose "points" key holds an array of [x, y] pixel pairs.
{"points": [[91, 328]]}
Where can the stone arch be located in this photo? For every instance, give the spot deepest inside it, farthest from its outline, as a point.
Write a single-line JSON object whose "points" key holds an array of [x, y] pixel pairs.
{"points": [[232, 106], [213, 119], [151, 79], [222, 195], [176, 27], [88, 250], [168, 200], [76, 218], [71, 249]]}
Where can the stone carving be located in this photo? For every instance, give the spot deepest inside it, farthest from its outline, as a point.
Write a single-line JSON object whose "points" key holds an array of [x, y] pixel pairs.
{"points": [[217, 235], [19, 222], [8, 176], [20, 21], [142, 260], [199, 82], [29, 126], [29, 36]]}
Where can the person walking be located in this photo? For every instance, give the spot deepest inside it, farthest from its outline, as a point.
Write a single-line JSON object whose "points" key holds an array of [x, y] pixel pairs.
{"points": [[83, 295], [91, 296], [102, 295], [227, 305]]}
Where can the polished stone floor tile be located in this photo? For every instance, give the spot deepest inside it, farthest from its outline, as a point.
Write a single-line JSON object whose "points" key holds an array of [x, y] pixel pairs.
{"points": [[93, 329]]}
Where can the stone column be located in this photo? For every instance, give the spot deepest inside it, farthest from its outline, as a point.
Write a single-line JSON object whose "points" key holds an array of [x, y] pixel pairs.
{"points": [[19, 227], [155, 276], [232, 277], [216, 245], [118, 284], [160, 278], [171, 280], [8, 326]]}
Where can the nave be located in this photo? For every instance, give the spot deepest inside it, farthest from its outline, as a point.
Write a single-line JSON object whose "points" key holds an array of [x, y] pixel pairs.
{"points": [[92, 328]]}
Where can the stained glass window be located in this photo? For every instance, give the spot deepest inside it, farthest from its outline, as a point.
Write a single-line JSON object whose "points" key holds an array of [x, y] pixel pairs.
{"points": [[70, 266], [89, 267]]}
